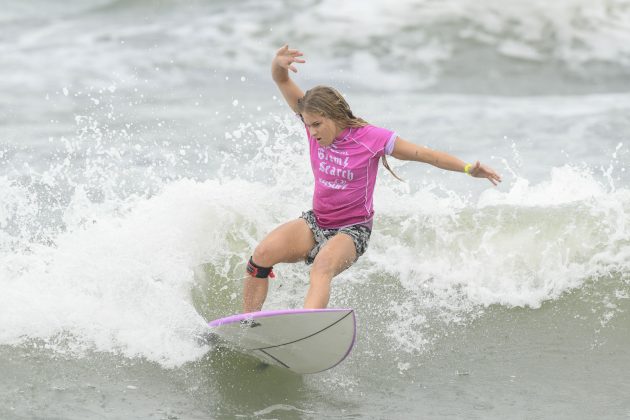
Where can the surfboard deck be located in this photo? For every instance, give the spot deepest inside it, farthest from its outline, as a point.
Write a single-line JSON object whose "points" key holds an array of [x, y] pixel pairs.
{"points": [[301, 340]]}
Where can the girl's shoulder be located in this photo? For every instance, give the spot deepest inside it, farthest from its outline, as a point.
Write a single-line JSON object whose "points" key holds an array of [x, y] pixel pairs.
{"points": [[371, 132], [369, 138], [370, 129]]}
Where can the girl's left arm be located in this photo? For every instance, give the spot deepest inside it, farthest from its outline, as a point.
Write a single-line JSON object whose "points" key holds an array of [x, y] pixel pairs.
{"points": [[405, 150]]}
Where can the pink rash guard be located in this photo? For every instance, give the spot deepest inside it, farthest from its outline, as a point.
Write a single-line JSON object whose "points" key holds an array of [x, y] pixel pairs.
{"points": [[345, 175]]}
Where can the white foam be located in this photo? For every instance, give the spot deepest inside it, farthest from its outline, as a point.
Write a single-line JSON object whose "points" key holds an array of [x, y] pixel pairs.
{"points": [[567, 185], [123, 283], [119, 277], [518, 247]]}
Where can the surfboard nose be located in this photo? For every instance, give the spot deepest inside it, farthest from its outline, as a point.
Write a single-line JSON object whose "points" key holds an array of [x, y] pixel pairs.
{"points": [[302, 340]]}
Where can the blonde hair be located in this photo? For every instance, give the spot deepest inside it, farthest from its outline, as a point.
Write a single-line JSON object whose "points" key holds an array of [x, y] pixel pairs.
{"points": [[329, 103]]}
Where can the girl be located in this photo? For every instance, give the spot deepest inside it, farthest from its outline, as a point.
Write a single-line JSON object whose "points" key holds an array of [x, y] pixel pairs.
{"points": [[344, 153]]}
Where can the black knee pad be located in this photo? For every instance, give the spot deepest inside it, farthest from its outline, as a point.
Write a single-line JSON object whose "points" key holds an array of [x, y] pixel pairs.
{"points": [[259, 272]]}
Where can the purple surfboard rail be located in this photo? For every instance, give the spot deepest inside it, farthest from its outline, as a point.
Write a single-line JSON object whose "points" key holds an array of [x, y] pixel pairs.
{"points": [[265, 314]]}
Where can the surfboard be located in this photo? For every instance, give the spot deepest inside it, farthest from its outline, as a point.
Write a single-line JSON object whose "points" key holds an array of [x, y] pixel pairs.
{"points": [[301, 340]]}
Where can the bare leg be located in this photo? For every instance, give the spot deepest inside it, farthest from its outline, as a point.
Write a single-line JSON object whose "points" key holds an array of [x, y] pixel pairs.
{"points": [[290, 242], [254, 293], [338, 254]]}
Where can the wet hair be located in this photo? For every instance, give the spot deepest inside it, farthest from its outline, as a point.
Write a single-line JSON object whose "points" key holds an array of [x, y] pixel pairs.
{"points": [[329, 103]]}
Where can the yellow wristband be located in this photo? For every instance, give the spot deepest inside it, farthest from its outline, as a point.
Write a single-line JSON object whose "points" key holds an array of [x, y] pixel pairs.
{"points": [[467, 168]]}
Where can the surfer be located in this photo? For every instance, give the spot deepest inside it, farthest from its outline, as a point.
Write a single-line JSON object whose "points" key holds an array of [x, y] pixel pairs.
{"points": [[344, 151]]}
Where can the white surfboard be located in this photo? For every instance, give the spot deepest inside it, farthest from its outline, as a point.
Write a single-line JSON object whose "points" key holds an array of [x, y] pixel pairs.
{"points": [[301, 340]]}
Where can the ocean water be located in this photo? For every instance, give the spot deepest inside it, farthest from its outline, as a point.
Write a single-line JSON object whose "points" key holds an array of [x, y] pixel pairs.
{"points": [[144, 151]]}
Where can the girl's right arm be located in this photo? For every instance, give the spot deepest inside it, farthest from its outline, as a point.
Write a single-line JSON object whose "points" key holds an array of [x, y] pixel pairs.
{"points": [[280, 66]]}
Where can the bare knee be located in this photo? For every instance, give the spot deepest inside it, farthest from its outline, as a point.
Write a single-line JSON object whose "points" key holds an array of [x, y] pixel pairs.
{"points": [[325, 267], [322, 270], [263, 255], [288, 243]]}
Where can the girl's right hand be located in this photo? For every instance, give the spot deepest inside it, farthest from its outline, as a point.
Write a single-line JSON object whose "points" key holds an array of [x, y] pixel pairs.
{"points": [[285, 58]]}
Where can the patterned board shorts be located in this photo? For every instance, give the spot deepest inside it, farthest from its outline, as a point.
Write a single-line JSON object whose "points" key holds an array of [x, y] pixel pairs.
{"points": [[360, 235]]}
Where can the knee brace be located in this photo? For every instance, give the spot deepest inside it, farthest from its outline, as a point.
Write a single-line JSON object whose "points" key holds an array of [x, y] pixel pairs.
{"points": [[259, 272]]}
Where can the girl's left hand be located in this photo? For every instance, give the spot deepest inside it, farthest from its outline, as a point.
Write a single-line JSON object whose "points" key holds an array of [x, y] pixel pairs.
{"points": [[482, 171]]}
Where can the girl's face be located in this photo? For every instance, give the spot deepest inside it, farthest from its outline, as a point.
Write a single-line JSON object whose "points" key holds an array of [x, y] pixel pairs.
{"points": [[323, 129]]}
